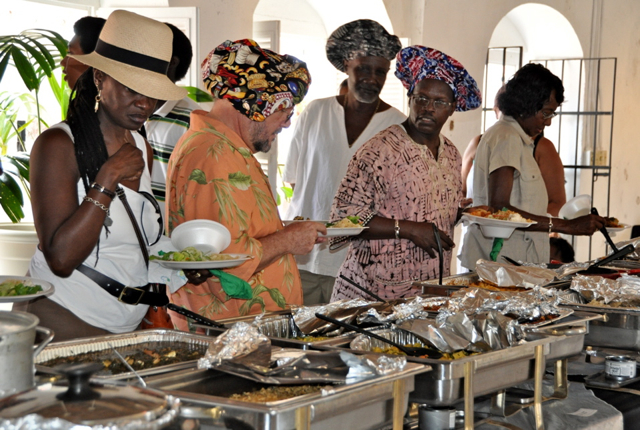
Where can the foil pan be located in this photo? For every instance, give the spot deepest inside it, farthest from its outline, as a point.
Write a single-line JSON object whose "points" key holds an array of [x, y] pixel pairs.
{"points": [[305, 319], [245, 352], [508, 275], [101, 345], [414, 307], [597, 292], [282, 331]]}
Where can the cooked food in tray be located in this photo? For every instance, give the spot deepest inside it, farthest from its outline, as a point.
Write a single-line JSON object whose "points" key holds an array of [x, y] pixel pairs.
{"points": [[311, 338], [276, 393], [503, 215], [491, 287], [17, 287], [139, 358]]}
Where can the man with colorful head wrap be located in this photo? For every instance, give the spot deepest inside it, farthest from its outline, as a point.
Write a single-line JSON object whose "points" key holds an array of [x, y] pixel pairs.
{"points": [[405, 184], [213, 175], [330, 131]]}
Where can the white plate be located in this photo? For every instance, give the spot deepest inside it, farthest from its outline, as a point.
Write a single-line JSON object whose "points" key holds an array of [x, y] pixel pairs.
{"points": [[220, 264], [615, 230], [491, 227], [291, 221], [47, 288], [350, 231]]}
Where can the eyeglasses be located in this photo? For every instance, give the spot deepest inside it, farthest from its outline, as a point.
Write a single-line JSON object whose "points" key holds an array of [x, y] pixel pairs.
{"points": [[547, 116], [290, 115], [425, 102]]}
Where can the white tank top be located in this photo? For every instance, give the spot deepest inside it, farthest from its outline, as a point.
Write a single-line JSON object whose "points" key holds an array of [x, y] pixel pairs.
{"points": [[119, 257]]}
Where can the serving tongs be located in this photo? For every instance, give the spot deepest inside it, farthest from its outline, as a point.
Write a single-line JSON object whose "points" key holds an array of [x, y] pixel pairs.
{"points": [[194, 316], [617, 253], [363, 289], [409, 350]]}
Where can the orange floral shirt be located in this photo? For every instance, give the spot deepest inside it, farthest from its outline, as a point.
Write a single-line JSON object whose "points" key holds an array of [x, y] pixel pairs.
{"points": [[212, 174]]}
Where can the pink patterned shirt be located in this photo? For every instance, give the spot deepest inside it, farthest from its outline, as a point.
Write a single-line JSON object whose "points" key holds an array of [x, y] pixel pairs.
{"points": [[391, 176]]}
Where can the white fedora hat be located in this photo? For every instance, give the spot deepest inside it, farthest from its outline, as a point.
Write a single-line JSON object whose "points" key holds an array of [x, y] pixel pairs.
{"points": [[136, 51]]}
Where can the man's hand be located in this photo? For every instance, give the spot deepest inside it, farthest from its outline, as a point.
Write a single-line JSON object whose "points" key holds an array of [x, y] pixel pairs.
{"points": [[197, 277], [301, 236]]}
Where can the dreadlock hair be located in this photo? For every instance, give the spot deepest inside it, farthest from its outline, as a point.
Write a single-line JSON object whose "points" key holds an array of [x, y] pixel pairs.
{"points": [[91, 151]]}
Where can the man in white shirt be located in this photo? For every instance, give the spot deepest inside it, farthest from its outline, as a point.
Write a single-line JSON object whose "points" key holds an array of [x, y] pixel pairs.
{"points": [[330, 131], [171, 119]]}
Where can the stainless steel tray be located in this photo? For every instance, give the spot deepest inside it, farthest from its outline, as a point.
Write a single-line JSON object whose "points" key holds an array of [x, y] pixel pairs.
{"points": [[281, 329], [494, 371], [369, 404], [620, 327], [155, 338]]}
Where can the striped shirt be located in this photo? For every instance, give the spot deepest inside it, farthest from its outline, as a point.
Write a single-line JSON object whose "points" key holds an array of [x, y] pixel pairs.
{"points": [[164, 128]]}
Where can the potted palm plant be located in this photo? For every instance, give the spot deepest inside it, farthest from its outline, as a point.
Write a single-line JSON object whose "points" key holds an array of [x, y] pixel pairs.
{"points": [[34, 54]]}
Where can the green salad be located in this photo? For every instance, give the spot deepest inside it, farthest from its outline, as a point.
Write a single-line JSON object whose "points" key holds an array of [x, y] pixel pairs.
{"points": [[190, 254], [16, 287]]}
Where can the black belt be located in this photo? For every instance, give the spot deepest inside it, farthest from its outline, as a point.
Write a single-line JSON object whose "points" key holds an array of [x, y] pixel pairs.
{"points": [[127, 295]]}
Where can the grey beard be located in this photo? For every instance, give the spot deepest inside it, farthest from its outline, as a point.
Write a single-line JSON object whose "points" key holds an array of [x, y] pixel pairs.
{"points": [[367, 100]]}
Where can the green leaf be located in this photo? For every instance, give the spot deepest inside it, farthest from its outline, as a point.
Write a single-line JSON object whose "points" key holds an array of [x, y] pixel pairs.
{"points": [[198, 176], [42, 57], [198, 95], [25, 69], [259, 289], [3, 64], [277, 297], [21, 163], [11, 197], [240, 180], [288, 192], [245, 152]]}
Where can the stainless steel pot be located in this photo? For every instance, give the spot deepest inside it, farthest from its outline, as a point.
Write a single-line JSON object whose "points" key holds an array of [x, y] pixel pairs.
{"points": [[17, 351]]}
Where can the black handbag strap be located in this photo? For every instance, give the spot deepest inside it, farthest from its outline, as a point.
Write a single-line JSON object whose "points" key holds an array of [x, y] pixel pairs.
{"points": [[134, 223], [128, 295]]}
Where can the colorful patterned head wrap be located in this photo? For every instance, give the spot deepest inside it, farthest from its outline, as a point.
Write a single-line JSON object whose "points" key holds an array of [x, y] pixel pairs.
{"points": [[361, 38], [258, 82], [415, 63]]}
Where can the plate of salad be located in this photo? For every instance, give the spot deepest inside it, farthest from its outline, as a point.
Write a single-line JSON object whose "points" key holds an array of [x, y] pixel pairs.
{"points": [[21, 288], [191, 258], [347, 226]]}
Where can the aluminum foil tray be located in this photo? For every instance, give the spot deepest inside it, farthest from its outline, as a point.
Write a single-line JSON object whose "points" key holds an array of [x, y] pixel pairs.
{"points": [[494, 371], [369, 404], [282, 331], [152, 339]]}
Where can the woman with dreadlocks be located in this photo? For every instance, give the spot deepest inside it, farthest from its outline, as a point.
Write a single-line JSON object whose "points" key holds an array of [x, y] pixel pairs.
{"points": [[82, 168]]}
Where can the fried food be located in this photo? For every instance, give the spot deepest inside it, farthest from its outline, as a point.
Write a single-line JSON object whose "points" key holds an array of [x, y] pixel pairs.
{"points": [[311, 338], [612, 222]]}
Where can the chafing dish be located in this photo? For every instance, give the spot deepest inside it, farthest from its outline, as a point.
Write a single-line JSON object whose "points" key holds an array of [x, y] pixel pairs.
{"points": [[281, 329], [151, 339], [367, 404]]}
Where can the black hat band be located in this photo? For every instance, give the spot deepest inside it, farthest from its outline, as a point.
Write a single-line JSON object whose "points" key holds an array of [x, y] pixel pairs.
{"points": [[131, 58]]}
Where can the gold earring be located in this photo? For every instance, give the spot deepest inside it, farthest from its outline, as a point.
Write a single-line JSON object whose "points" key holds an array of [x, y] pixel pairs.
{"points": [[98, 98]]}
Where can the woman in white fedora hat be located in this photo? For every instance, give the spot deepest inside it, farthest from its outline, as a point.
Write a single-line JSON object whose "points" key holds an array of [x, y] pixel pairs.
{"points": [[91, 249]]}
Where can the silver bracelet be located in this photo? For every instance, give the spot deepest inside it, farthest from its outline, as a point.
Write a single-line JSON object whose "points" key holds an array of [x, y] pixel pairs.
{"points": [[97, 203], [396, 229]]}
